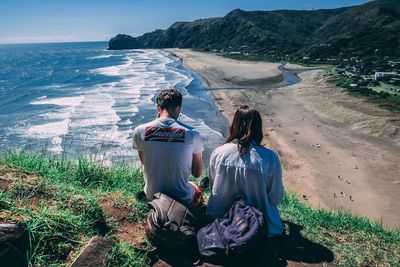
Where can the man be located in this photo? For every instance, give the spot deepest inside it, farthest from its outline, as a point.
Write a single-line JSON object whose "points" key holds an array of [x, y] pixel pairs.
{"points": [[170, 151]]}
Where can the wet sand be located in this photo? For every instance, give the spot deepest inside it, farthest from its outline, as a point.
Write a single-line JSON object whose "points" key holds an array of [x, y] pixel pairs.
{"points": [[332, 145]]}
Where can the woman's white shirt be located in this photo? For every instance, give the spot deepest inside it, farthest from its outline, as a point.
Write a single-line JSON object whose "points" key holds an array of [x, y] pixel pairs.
{"points": [[257, 176]]}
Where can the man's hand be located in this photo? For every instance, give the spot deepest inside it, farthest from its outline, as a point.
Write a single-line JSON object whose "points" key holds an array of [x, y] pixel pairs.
{"points": [[197, 165]]}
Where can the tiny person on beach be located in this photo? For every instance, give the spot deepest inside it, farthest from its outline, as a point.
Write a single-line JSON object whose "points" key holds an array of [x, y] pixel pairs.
{"points": [[242, 166]]}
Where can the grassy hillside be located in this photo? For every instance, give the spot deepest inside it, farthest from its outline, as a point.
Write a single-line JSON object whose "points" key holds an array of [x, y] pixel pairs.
{"points": [[380, 96], [64, 203]]}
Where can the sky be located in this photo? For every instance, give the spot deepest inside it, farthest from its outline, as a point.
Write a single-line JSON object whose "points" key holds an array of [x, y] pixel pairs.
{"points": [[38, 21]]}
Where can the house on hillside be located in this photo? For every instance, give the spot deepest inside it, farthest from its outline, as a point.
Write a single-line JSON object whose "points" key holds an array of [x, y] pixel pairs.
{"points": [[394, 81], [386, 75], [393, 63]]}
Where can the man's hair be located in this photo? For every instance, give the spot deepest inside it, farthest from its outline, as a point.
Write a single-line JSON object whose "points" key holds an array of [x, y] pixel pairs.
{"points": [[169, 99], [246, 127]]}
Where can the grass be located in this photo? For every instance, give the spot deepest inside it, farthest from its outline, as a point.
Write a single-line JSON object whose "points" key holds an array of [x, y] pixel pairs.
{"points": [[58, 199], [383, 89], [354, 240]]}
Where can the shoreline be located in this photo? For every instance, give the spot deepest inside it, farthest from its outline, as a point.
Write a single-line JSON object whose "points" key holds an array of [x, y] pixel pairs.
{"points": [[331, 145]]}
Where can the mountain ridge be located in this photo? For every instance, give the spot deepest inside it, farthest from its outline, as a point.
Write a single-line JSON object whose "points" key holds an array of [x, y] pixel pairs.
{"points": [[348, 31]]}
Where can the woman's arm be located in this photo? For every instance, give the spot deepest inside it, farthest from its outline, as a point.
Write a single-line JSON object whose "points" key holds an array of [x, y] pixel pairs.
{"points": [[275, 188], [211, 170]]}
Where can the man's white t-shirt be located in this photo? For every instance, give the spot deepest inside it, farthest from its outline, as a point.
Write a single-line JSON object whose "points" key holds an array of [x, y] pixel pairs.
{"points": [[256, 176], [168, 147]]}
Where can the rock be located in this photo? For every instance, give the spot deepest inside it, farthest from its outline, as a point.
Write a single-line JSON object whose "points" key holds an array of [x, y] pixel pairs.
{"points": [[4, 204], [11, 231], [13, 245], [123, 41], [94, 254]]}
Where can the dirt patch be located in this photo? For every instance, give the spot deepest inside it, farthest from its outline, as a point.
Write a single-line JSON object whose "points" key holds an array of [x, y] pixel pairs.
{"points": [[24, 186], [5, 185], [34, 201], [358, 104], [131, 232], [9, 173], [5, 170], [108, 204], [128, 231]]}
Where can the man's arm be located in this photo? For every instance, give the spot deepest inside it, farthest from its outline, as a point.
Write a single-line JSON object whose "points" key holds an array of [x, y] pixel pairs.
{"points": [[197, 165], [141, 156], [137, 143]]}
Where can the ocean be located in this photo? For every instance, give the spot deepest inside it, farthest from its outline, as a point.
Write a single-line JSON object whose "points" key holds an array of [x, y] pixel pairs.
{"points": [[82, 99]]}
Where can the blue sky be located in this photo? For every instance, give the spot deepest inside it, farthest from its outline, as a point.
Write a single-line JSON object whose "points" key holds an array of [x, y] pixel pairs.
{"points": [[27, 21]]}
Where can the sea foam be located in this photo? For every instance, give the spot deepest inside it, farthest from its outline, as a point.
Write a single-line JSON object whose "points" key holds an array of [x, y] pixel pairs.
{"points": [[62, 101], [59, 120], [101, 56], [101, 117]]}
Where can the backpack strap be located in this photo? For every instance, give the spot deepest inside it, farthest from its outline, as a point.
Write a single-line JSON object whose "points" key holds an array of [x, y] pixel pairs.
{"points": [[177, 213], [221, 236]]}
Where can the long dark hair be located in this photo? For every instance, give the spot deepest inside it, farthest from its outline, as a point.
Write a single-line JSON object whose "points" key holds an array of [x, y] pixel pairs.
{"points": [[246, 127]]}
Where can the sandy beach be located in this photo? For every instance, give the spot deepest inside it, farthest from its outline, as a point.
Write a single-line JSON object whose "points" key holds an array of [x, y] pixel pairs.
{"points": [[337, 151]]}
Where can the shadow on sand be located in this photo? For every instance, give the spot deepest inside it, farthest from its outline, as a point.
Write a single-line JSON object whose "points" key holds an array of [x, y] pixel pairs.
{"points": [[274, 252]]}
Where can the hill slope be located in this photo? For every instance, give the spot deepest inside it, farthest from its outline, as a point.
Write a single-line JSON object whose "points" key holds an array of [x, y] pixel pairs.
{"points": [[63, 203], [358, 30]]}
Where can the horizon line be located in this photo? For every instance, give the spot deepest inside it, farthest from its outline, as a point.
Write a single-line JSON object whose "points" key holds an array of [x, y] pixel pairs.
{"points": [[55, 42]]}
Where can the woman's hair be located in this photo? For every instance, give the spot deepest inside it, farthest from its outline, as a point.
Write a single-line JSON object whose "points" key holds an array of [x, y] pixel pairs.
{"points": [[246, 127]]}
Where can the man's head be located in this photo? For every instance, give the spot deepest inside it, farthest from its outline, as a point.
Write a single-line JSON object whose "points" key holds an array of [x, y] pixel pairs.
{"points": [[170, 101]]}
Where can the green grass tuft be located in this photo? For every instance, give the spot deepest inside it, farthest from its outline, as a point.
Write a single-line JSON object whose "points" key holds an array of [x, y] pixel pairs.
{"points": [[354, 240], [124, 255]]}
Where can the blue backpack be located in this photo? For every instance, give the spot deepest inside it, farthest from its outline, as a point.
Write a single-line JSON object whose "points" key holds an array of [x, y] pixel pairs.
{"points": [[237, 233]]}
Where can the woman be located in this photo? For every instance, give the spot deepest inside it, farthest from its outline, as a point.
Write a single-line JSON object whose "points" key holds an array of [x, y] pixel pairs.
{"points": [[242, 166]]}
